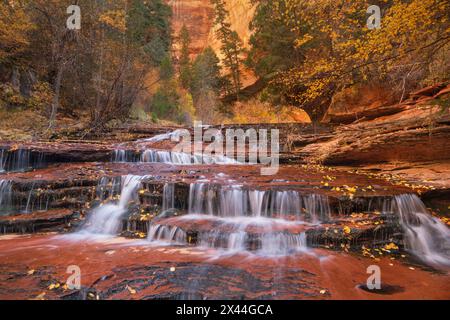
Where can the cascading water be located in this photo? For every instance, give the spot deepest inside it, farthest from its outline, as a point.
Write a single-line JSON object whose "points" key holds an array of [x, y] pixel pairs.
{"points": [[5, 196], [167, 136], [158, 157], [106, 219], [256, 199], [161, 233], [121, 155], [260, 235], [169, 234], [282, 244], [20, 160], [236, 201], [248, 220], [425, 236], [108, 189], [17, 160], [168, 197], [2, 160], [169, 157], [31, 200]]}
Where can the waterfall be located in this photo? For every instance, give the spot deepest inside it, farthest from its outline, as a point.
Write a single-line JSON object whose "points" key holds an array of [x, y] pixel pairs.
{"points": [[184, 158], [197, 193], [154, 156], [5, 196], [2, 160], [256, 199], [108, 188], [233, 242], [166, 136], [121, 155], [245, 220], [106, 219], [170, 234], [286, 203], [30, 194], [215, 200], [17, 160], [425, 236], [232, 202], [264, 244], [20, 160], [236, 201], [34, 201], [282, 244], [317, 207], [170, 157], [168, 197]]}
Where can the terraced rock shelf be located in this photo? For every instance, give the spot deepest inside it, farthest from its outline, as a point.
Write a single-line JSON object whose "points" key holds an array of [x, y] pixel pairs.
{"points": [[142, 222]]}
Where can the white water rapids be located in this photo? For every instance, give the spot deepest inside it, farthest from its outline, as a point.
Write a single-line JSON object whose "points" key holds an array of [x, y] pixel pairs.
{"points": [[425, 236], [107, 218], [235, 212]]}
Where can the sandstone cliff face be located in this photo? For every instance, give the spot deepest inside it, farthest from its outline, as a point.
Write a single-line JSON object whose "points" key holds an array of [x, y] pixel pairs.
{"points": [[241, 14], [416, 130], [361, 103], [355, 102], [198, 16]]}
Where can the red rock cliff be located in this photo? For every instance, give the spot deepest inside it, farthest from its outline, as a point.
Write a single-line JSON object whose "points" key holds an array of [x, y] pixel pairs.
{"points": [[198, 16]]}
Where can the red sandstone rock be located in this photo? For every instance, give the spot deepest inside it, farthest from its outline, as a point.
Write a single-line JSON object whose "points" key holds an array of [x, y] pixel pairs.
{"points": [[109, 267]]}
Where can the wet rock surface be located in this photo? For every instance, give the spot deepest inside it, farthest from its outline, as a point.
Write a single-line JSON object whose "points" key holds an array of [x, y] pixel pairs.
{"points": [[166, 230], [48, 221], [124, 269]]}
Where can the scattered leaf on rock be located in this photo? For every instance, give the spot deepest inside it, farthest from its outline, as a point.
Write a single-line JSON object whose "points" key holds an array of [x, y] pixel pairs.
{"points": [[131, 290]]}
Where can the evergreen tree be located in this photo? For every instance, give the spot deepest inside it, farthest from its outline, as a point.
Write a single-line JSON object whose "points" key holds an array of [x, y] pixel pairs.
{"points": [[308, 51], [166, 70], [206, 73], [206, 83], [231, 45], [185, 61]]}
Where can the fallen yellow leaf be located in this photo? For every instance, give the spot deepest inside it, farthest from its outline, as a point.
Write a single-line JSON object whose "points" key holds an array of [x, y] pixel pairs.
{"points": [[40, 296], [347, 230], [391, 246], [132, 291]]}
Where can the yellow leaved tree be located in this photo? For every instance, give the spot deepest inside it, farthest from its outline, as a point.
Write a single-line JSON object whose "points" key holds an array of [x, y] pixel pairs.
{"points": [[336, 49]]}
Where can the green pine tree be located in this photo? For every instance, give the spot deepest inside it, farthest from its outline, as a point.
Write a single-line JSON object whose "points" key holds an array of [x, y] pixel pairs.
{"points": [[185, 61], [232, 47]]}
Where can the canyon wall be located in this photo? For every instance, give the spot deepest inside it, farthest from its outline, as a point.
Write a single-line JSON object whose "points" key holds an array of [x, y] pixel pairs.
{"points": [[198, 16], [241, 14]]}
